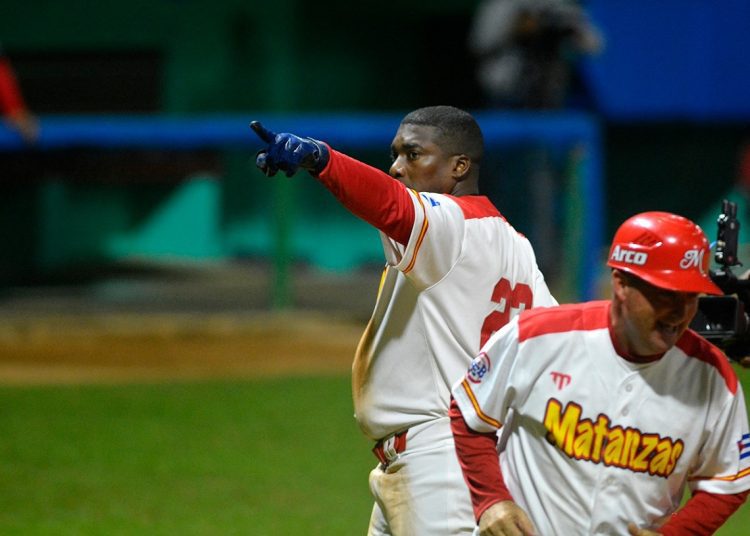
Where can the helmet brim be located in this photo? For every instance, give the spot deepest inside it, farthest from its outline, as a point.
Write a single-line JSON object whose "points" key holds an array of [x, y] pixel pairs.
{"points": [[678, 281]]}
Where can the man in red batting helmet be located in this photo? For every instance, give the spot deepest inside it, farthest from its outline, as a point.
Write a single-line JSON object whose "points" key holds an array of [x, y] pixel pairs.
{"points": [[622, 407], [666, 250]]}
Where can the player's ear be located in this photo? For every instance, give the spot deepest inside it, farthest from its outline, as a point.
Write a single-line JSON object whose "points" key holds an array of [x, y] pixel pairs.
{"points": [[461, 167], [619, 283]]}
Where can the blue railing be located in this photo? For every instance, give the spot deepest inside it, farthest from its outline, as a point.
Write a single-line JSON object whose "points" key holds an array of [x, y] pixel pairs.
{"points": [[353, 131]]}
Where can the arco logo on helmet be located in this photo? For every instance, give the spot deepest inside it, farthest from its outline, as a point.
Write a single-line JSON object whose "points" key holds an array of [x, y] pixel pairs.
{"points": [[628, 256]]}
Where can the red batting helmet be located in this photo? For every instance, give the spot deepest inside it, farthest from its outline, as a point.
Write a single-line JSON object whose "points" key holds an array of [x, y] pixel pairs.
{"points": [[664, 249]]}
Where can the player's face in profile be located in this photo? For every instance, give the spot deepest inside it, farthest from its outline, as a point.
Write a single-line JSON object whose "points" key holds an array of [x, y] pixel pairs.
{"points": [[418, 162], [653, 319]]}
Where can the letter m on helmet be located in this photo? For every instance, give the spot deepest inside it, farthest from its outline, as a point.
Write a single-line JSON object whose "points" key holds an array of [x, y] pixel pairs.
{"points": [[693, 258]]}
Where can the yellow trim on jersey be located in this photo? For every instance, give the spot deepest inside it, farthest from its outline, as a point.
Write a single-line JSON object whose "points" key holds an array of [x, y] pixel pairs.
{"points": [[382, 280], [741, 474], [486, 418], [422, 233]]}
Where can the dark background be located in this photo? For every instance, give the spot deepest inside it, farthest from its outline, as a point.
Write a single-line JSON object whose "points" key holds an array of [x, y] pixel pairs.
{"points": [[669, 88]]}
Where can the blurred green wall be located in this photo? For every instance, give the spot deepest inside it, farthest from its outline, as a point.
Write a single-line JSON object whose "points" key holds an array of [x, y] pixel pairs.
{"points": [[200, 56], [283, 55]]}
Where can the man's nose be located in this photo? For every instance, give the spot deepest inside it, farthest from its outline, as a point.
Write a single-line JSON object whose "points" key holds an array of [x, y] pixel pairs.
{"points": [[397, 169]]}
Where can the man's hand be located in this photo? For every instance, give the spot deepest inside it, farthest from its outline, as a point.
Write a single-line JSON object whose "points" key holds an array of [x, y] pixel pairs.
{"points": [[505, 518], [288, 153], [635, 531]]}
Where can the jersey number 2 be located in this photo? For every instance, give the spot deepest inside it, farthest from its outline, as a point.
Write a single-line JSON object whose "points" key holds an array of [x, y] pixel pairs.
{"points": [[507, 297]]}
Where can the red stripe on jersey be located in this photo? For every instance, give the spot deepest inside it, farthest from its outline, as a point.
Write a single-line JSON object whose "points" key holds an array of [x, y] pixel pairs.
{"points": [[476, 206], [571, 317], [696, 346]]}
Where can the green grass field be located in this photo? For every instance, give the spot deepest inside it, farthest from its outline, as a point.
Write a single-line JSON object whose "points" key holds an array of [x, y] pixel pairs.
{"points": [[271, 457], [268, 458]]}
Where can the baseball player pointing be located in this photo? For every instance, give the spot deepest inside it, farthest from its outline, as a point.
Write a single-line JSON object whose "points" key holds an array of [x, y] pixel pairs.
{"points": [[456, 272], [608, 410]]}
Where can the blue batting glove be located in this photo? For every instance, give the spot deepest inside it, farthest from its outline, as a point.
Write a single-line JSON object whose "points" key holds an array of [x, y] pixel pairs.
{"points": [[288, 153]]}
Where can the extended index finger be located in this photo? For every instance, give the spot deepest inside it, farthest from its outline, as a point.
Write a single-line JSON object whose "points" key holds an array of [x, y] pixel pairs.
{"points": [[262, 132]]}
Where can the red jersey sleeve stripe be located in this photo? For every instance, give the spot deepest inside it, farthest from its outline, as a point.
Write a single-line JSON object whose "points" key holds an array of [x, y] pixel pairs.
{"points": [[478, 410], [422, 233], [476, 206], [699, 348], [571, 317]]}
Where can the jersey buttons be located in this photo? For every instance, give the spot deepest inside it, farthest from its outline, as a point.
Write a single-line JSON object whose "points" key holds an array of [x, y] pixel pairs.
{"points": [[629, 387]]}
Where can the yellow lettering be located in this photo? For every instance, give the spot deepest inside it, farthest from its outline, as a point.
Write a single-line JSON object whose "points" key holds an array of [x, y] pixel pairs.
{"points": [[659, 462], [649, 442], [632, 441], [561, 429], [584, 439], [677, 449], [596, 441], [613, 450], [600, 432]]}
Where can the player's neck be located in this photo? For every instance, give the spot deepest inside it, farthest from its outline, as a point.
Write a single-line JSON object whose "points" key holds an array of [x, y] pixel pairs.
{"points": [[467, 187], [628, 355], [620, 342]]}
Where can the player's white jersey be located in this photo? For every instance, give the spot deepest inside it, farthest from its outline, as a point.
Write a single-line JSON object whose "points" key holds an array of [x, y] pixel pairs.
{"points": [[463, 274], [595, 440]]}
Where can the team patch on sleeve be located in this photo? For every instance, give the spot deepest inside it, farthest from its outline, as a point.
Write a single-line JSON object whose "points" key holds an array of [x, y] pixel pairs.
{"points": [[744, 446], [479, 367]]}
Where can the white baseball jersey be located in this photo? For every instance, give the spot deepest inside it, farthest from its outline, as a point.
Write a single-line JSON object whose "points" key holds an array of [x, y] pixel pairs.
{"points": [[593, 440], [463, 274]]}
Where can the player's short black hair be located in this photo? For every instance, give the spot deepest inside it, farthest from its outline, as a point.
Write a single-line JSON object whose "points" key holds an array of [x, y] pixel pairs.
{"points": [[459, 132]]}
